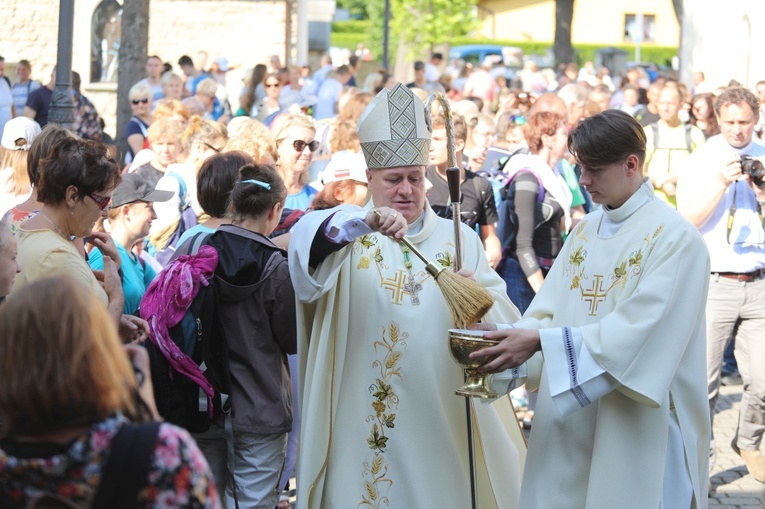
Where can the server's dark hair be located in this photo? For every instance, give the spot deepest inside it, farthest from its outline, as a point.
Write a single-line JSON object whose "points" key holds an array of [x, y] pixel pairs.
{"points": [[607, 138]]}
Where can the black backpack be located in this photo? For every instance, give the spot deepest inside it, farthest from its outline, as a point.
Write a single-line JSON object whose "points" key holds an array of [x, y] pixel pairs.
{"points": [[180, 400], [507, 227]]}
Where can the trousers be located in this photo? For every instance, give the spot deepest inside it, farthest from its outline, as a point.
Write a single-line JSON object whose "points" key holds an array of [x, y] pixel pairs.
{"points": [[737, 309]]}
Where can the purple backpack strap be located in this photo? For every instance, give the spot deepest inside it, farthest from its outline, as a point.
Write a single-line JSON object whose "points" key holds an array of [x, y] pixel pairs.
{"points": [[512, 176]]}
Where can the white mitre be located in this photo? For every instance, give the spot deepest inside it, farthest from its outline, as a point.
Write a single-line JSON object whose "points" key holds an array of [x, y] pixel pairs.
{"points": [[394, 131]]}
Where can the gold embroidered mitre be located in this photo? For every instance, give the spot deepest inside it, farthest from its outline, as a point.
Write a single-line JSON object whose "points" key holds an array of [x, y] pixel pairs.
{"points": [[394, 131]]}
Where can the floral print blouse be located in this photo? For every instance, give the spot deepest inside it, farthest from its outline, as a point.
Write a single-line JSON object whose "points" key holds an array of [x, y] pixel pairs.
{"points": [[179, 476]]}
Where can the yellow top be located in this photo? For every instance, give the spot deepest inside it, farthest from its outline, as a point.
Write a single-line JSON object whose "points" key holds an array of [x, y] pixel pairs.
{"points": [[44, 253]]}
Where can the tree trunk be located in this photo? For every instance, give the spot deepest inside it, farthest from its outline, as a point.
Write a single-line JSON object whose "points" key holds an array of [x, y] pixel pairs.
{"points": [[134, 44], [564, 15], [678, 5]]}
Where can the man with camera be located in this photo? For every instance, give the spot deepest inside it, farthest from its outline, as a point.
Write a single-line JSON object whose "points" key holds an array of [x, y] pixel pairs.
{"points": [[720, 190]]}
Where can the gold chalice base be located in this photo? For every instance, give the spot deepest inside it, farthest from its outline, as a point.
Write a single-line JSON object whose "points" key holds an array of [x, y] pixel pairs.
{"points": [[463, 342]]}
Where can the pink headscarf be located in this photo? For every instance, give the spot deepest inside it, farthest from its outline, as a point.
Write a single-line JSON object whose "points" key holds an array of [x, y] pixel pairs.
{"points": [[165, 303]]}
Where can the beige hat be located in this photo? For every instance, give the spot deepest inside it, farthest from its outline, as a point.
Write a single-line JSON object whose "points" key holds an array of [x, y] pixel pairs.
{"points": [[394, 131]]}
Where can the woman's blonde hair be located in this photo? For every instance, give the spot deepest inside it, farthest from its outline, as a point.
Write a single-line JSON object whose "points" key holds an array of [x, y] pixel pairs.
{"points": [[168, 108], [61, 359], [255, 145], [166, 130], [344, 137], [168, 77], [212, 133], [354, 107], [283, 123], [139, 91], [18, 184], [207, 86]]}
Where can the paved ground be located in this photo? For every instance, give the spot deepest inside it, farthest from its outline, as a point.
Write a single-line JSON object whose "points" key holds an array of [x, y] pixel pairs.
{"points": [[732, 486]]}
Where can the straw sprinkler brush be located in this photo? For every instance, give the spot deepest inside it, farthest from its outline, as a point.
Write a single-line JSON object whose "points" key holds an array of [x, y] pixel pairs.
{"points": [[467, 300]]}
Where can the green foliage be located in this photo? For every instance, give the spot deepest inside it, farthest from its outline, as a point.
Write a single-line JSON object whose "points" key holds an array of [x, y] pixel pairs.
{"points": [[660, 55], [357, 8], [348, 34], [352, 26], [423, 24]]}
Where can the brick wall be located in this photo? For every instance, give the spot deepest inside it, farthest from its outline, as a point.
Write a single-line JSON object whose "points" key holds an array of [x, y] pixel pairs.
{"points": [[246, 33]]}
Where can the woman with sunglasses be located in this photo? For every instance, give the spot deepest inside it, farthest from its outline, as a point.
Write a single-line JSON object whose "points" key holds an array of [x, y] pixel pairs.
{"points": [[136, 132], [269, 105], [75, 190], [295, 144]]}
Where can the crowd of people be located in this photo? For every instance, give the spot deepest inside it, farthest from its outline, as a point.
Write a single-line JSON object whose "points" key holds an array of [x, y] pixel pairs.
{"points": [[615, 221]]}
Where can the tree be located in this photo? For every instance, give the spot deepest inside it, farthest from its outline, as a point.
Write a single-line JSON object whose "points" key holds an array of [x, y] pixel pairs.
{"points": [[564, 16], [134, 44], [424, 24], [678, 5], [356, 8]]}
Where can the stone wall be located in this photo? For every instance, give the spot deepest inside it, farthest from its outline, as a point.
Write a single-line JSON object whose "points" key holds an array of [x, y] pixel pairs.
{"points": [[246, 33]]}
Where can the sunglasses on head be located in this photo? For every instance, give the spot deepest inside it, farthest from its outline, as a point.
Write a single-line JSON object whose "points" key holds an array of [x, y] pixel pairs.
{"points": [[145, 100], [101, 201], [517, 119], [300, 145]]}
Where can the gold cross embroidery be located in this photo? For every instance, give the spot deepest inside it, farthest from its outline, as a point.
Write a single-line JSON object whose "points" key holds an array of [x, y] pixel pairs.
{"points": [[595, 296], [396, 286]]}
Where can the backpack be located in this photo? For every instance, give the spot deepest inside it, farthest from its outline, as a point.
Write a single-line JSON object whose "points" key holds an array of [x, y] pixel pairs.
{"points": [[507, 227], [497, 176], [180, 399], [187, 221], [689, 145], [144, 132]]}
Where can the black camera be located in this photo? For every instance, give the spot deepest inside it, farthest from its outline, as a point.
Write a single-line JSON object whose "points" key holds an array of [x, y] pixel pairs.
{"points": [[752, 167]]}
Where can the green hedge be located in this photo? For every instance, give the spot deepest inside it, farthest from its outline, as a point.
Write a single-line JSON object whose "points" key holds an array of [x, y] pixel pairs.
{"points": [[352, 26], [348, 40], [348, 34]]}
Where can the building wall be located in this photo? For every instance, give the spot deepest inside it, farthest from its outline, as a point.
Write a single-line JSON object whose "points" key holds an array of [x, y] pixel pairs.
{"points": [[246, 33], [723, 43], [595, 21]]}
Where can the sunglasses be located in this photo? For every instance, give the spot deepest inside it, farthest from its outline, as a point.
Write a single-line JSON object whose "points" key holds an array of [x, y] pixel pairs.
{"points": [[300, 145], [101, 201], [217, 150], [517, 120], [145, 100], [270, 85]]}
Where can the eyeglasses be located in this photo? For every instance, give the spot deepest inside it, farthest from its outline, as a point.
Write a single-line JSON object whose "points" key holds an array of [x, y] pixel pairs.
{"points": [[145, 100], [269, 85], [101, 201], [300, 145]]}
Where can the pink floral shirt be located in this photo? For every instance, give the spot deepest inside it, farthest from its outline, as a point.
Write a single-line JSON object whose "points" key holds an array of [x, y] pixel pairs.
{"points": [[179, 476]]}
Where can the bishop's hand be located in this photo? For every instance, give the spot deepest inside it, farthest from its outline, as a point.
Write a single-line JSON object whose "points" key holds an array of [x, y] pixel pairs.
{"points": [[388, 222]]}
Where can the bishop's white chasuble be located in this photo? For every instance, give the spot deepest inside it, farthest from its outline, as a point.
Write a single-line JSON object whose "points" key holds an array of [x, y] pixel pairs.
{"points": [[382, 426]]}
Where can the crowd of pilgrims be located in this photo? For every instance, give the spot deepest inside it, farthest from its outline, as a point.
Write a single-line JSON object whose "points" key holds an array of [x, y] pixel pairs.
{"points": [[74, 213]]}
